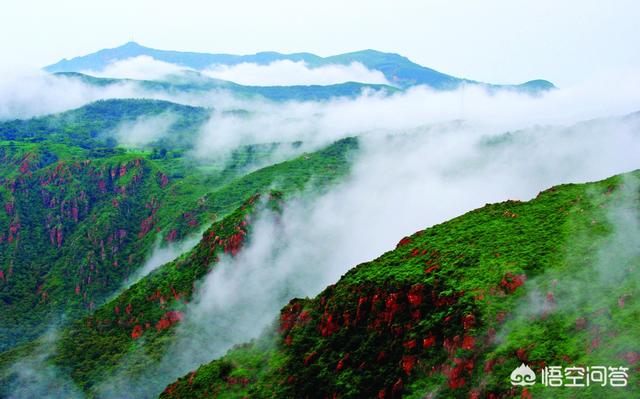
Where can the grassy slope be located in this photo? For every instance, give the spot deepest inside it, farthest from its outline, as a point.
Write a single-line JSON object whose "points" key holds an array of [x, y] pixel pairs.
{"points": [[88, 213], [445, 313], [69, 198], [91, 347]]}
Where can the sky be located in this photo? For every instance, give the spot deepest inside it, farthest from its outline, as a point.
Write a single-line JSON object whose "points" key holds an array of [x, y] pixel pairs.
{"points": [[498, 41]]}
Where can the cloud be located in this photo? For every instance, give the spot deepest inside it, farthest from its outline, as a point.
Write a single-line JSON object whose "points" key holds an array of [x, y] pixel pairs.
{"points": [[319, 123], [291, 73], [145, 129], [34, 376], [142, 68], [277, 73], [24, 94], [160, 255]]}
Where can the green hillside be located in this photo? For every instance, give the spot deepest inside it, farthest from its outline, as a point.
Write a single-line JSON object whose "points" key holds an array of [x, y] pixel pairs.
{"points": [[456, 307], [80, 214]]}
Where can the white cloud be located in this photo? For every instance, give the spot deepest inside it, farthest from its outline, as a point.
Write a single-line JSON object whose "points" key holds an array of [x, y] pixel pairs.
{"points": [[145, 129], [318, 123], [290, 73], [142, 68], [160, 255], [30, 93]]}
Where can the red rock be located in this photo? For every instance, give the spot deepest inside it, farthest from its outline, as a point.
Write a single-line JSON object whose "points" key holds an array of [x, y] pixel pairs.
{"points": [[24, 166], [428, 342], [510, 282], [408, 363], [329, 326], [309, 358], [430, 269], [59, 237], [468, 321], [137, 332], [410, 344], [453, 374], [521, 353], [340, 365], [632, 357], [415, 295], [168, 319], [172, 235], [468, 342]]}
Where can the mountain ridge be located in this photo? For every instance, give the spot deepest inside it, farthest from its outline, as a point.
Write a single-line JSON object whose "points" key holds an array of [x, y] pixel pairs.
{"points": [[398, 70], [429, 318]]}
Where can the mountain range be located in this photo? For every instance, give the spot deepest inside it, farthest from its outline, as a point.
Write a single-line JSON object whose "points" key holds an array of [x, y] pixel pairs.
{"points": [[398, 70]]}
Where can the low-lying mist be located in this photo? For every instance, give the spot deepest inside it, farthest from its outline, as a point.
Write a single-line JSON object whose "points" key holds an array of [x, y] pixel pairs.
{"points": [[290, 73], [276, 73]]}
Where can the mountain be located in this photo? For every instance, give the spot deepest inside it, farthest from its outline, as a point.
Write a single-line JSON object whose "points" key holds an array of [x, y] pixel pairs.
{"points": [[196, 83], [81, 214], [398, 70], [456, 307], [100, 219]]}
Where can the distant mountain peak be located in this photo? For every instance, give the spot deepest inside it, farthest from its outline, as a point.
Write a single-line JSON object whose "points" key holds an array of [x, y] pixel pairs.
{"points": [[397, 69], [131, 44]]}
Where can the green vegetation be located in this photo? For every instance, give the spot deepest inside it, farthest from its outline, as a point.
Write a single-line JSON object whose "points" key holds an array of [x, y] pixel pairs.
{"points": [[93, 126], [456, 307], [79, 214]]}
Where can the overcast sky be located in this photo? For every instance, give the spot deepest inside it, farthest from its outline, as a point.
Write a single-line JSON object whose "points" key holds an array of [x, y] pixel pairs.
{"points": [[499, 41]]}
